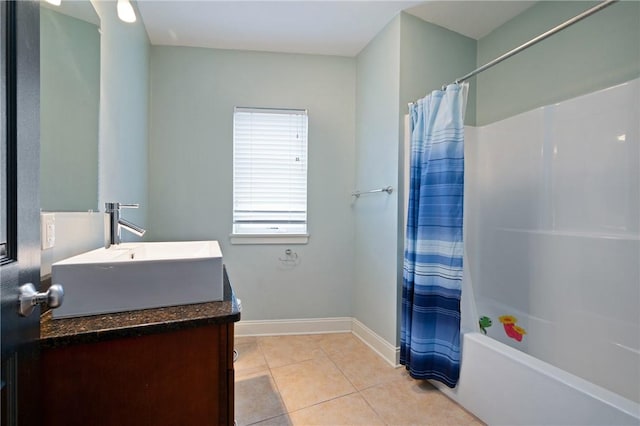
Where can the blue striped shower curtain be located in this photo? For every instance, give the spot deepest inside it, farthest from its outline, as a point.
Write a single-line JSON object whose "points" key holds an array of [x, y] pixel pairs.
{"points": [[432, 275]]}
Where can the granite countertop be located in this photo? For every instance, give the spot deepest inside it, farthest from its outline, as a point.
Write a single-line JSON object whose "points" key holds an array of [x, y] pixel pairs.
{"points": [[95, 328]]}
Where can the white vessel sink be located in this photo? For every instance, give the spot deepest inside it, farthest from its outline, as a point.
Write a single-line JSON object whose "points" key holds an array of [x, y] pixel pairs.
{"points": [[134, 276]]}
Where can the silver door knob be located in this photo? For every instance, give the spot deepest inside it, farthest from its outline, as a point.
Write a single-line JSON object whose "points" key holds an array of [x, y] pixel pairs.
{"points": [[29, 298]]}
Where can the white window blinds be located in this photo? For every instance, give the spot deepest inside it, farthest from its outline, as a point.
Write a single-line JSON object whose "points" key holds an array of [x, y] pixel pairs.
{"points": [[269, 171]]}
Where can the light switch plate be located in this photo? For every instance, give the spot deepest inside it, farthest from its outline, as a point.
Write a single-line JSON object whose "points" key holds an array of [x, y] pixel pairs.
{"points": [[48, 230]]}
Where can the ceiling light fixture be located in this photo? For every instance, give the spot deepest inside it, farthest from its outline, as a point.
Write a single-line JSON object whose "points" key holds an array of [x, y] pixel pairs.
{"points": [[125, 11], [54, 2]]}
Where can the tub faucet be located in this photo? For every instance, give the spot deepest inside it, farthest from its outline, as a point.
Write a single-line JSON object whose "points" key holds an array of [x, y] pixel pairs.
{"points": [[116, 223]]}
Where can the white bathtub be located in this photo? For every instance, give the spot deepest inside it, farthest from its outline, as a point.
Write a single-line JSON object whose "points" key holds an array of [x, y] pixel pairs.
{"points": [[503, 386], [527, 229]]}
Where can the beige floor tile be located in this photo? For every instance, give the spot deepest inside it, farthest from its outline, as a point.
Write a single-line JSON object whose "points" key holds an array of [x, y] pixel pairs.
{"points": [[284, 350], [459, 416], [347, 410], [241, 340], [409, 402], [364, 368], [250, 358], [257, 398], [283, 420], [450, 413], [341, 343], [310, 382]]}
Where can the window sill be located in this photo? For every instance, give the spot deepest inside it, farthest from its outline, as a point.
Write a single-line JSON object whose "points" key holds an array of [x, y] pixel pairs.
{"points": [[269, 238]]}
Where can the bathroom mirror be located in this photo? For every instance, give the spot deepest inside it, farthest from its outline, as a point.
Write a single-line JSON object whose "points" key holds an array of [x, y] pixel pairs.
{"points": [[69, 106]]}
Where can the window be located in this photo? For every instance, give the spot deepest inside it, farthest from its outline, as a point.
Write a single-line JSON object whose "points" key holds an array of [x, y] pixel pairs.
{"points": [[269, 175]]}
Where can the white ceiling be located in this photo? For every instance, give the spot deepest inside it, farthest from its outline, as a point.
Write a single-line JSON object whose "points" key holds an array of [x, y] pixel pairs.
{"points": [[322, 27], [474, 19]]}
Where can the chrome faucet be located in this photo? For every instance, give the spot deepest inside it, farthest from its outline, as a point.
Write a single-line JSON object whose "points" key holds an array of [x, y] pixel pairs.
{"points": [[116, 223]]}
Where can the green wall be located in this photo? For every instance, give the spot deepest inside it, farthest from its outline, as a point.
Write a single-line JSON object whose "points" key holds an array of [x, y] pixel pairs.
{"points": [[376, 215], [598, 52], [407, 60], [193, 93], [124, 103], [431, 56], [350, 267]]}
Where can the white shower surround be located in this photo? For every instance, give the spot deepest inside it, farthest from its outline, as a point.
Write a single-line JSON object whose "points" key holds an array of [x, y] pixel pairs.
{"points": [[552, 236]]}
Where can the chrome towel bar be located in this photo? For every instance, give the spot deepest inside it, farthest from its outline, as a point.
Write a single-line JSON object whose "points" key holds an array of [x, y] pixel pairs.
{"points": [[388, 190]]}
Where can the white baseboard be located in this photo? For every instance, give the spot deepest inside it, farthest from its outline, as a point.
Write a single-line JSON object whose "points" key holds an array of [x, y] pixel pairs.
{"points": [[386, 350], [293, 326]]}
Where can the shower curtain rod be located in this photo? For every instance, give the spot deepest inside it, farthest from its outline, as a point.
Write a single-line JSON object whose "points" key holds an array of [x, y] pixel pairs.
{"points": [[549, 33]]}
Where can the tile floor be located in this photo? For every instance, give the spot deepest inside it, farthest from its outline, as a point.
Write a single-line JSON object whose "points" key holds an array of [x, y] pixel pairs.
{"points": [[332, 379]]}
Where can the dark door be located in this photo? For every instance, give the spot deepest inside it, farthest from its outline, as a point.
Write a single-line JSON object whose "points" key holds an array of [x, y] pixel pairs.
{"points": [[19, 204]]}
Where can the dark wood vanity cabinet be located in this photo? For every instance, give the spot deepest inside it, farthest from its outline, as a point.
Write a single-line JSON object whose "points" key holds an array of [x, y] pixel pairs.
{"points": [[178, 377]]}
